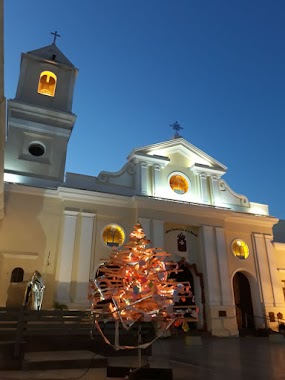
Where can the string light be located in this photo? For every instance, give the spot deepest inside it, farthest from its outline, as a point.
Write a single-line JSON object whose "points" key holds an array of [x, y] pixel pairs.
{"points": [[134, 286]]}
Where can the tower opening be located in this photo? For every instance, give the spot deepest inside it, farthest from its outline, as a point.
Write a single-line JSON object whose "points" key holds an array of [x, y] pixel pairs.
{"points": [[47, 83]]}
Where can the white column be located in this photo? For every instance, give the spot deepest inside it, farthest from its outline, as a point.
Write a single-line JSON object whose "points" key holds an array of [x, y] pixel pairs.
{"points": [[196, 188], [64, 266], [215, 192], [205, 196], [263, 269], [226, 293], [276, 284], [156, 180], [84, 259], [143, 179], [146, 227], [211, 266], [157, 233]]}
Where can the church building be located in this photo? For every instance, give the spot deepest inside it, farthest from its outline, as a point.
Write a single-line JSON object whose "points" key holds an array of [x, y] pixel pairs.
{"points": [[64, 224]]}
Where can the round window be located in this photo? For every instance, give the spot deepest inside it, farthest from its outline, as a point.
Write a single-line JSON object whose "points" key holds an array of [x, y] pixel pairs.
{"points": [[240, 249], [179, 183], [36, 149], [113, 235]]}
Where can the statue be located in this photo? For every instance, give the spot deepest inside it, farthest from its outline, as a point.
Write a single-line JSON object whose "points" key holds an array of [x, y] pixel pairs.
{"points": [[34, 293]]}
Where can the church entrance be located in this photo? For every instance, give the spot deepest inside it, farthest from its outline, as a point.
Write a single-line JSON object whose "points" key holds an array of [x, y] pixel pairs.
{"points": [[243, 302], [197, 290]]}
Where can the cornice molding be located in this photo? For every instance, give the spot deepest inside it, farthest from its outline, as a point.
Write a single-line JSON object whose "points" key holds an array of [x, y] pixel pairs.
{"points": [[224, 215], [149, 159], [30, 190], [93, 197], [19, 255]]}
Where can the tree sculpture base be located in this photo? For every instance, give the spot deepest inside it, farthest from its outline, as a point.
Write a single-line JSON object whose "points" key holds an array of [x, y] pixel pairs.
{"points": [[123, 367]]}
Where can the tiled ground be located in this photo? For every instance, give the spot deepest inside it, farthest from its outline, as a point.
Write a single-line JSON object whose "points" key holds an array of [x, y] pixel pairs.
{"points": [[214, 359]]}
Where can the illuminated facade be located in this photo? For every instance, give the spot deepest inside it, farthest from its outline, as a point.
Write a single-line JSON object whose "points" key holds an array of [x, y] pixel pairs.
{"points": [[63, 224]]}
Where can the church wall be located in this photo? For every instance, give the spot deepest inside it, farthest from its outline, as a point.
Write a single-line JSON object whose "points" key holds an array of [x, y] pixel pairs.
{"points": [[166, 191], [31, 236], [28, 239], [247, 267], [261, 270], [179, 161], [280, 264], [216, 261], [2, 110], [81, 246]]}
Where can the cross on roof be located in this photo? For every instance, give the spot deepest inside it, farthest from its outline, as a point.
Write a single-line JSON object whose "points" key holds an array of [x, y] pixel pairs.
{"points": [[176, 127], [55, 35]]}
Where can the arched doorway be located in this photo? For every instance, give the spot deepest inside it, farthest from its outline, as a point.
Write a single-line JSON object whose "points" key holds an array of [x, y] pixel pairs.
{"points": [[243, 302], [185, 274]]}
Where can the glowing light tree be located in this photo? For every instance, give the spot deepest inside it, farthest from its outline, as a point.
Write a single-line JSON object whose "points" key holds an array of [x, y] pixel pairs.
{"points": [[134, 286]]}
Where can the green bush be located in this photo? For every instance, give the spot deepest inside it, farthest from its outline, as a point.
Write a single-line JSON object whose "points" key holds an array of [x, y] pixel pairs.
{"points": [[59, 306]]}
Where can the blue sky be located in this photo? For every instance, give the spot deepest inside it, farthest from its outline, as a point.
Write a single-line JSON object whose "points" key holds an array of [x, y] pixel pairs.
{"points": [[216, 66]]}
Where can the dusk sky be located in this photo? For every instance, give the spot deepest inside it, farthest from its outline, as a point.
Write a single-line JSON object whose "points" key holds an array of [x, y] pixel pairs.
{"points": [[215, 66]]}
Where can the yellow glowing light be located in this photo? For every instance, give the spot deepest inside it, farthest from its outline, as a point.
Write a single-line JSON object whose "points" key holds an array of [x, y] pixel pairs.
{"points": [[47, 83], [113, 235], [179, 184], [240, 249]]}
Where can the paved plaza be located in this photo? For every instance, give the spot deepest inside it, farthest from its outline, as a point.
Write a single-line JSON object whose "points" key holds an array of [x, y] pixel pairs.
{"points": [[214, 359]]}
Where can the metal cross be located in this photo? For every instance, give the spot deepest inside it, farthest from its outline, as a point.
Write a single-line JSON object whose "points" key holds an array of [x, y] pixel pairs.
{"points": [[55, 35], [176, 127]]}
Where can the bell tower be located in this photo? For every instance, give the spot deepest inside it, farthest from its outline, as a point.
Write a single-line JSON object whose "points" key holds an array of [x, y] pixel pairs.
{"points": [[40, 119]]}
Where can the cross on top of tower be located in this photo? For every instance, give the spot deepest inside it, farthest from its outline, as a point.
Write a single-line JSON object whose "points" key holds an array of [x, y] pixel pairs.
{"points": [[176, 127], [55, 35]]}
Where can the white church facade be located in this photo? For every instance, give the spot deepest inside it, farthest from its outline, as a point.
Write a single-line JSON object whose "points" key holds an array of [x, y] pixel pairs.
{"points": [[65, 224]]}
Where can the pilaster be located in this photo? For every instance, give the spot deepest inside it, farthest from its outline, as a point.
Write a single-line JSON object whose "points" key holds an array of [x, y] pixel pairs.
{"points": [[84, 262], [146, 225], [156, 179], [215, 193], [158, 233], [276, 285], [211, 266], [264, 275], [65, 261], [205, 196], [143, 178], [226, 293]]}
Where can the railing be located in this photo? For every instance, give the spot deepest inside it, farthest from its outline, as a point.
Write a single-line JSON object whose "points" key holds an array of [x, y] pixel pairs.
{"points": [[266, 319], [22, 325], [15, 325]]}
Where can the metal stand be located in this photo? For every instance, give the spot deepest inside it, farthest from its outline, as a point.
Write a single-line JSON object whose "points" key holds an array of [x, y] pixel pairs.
{"points": [[138, 370]]}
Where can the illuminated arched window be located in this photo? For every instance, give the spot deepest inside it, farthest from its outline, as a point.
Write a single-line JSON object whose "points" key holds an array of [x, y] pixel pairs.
{"points": [[47, 83], [17, 275], [113, 235], [240, 249], [179, 184]]}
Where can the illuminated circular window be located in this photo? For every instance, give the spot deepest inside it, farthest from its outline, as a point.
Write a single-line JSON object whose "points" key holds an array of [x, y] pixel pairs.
{"points": [[113, 235], [240, 249], [36, 149], [179, 183]]}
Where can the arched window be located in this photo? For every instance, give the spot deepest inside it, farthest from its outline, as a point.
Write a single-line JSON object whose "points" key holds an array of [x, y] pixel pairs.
{"points": [[47, 83], [17, 275]]}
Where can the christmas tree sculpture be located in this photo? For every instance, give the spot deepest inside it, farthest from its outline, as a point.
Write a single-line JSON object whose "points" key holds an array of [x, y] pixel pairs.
{"points": [[134, 286]]}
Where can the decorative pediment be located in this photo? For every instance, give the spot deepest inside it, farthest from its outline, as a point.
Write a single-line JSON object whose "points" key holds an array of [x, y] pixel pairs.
{"points": [[178, 150], [174, 170], [51, 53]]}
